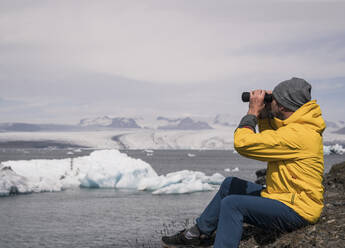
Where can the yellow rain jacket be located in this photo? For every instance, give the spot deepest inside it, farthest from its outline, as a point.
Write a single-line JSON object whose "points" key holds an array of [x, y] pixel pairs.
{"points": [[294, 151]]}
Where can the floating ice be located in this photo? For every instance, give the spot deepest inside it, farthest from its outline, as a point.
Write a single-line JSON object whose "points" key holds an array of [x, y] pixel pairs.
{"points": [[236, 169], [11, 182], [191, 155], [101, 169], [333, 149], [184, 181], [149, 152]]}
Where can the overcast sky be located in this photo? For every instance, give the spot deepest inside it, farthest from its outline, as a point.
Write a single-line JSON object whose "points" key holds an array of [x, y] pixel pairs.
{"points": [[61, 61]]}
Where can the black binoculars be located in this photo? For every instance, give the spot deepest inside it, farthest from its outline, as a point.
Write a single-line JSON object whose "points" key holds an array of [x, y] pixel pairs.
{"points": [[246, 97]]}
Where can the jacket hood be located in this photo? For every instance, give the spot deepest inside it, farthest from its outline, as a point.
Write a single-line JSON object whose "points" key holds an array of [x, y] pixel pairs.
{"points": [[309, 114]]}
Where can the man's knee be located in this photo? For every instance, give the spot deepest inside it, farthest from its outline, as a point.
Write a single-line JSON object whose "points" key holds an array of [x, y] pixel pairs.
{"points": [[231, 202], [225, 186], [233, 185]]}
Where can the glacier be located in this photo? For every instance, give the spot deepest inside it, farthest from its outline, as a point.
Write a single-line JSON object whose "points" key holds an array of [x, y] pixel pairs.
{"points": [[100, 169], [220, 138]]}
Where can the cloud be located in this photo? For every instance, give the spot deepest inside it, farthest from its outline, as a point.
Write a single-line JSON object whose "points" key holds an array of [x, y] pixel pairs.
{"points": [[154, 42], [120, 56]]}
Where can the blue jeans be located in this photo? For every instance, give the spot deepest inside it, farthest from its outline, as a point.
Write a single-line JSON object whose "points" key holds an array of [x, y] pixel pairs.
{"points": [[239, 201]]}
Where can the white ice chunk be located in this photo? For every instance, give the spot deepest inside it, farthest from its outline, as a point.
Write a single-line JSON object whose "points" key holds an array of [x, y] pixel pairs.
{"points": [[184, 187], [101, 169], [149, 151], [112, 169], [181, 182], [215, 179], [333, 149], [236, 169], [11, 182]]}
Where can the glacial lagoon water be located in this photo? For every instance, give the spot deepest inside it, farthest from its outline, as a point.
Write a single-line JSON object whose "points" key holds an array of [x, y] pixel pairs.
{"points": [[109, 217]]}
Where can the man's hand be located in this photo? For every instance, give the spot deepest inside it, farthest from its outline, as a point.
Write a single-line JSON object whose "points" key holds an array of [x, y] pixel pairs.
{"points": [[256, 103], [266, 112]]}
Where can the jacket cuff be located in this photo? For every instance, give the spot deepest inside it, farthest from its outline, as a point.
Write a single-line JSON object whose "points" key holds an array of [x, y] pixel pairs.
{"points": [[249, 121]]}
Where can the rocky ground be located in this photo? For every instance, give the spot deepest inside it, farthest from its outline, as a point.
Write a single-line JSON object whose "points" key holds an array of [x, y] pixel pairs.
{"points": [[328, 232]]}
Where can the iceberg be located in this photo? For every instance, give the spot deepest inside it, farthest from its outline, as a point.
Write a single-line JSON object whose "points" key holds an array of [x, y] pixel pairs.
{"points": [[100, 169]]}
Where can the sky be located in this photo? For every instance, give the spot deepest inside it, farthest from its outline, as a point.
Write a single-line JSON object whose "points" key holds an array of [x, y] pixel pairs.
{"points": [[61, 61]]}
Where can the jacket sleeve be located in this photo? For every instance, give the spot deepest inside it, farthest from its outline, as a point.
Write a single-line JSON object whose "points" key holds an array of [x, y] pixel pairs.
{"points": [[268, 145]]}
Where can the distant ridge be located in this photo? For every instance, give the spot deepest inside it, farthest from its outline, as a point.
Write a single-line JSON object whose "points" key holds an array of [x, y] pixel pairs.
{"points": [[84, 125], [159, 123], [26, 127], [340, 131], [187, 124], [108, 122], [160, 118], [224, 120]]}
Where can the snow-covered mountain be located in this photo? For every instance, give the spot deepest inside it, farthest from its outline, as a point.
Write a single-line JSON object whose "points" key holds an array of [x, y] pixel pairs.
{"points": [[169, 120], [341, 131], [164, 123], [109, 122], [13, 127], [27, 127], [225, 120], [335, 125], [184, 124], [98, 121]]}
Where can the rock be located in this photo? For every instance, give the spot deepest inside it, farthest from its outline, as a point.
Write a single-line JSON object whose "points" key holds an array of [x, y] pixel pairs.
{"points": [[261, 173], [261, 180], [261, 176]]}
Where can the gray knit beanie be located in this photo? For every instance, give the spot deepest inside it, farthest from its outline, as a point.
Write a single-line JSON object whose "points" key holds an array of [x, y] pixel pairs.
{"points": [[292, 93]]}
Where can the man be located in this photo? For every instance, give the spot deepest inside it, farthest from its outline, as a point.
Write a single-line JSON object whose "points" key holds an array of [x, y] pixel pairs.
{"points": [[291, 143]]}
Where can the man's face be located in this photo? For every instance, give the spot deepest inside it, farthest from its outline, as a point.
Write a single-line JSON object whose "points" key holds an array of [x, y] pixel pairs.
{"points": [[275, 110]]}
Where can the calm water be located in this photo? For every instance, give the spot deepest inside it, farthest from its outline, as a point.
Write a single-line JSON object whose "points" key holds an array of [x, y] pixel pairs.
{"points": [[112, 218]]}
